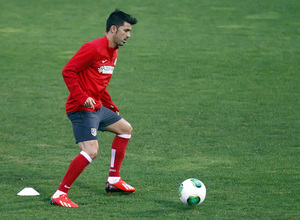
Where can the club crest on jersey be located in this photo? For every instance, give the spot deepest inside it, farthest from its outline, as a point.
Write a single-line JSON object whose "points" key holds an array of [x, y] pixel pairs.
{"points": [[106, 69], [94, 132]]}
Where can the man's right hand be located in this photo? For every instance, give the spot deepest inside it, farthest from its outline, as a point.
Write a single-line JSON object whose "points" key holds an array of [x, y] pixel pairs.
{"points": [[89, 103]]}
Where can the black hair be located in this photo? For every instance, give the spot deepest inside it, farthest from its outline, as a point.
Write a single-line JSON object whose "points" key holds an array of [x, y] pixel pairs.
{"points": [[118, 18]]}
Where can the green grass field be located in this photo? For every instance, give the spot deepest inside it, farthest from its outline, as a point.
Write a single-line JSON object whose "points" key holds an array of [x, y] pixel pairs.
{"points": [[211, 88]]}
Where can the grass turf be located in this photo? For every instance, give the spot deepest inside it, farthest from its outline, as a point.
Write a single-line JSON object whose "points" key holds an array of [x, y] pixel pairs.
{"points": [[210, 87]]}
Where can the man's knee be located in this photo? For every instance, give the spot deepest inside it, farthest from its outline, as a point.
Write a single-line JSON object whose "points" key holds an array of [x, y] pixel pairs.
{"points": [[90, 147], [130, 129], [94, 153], [120, 127]]}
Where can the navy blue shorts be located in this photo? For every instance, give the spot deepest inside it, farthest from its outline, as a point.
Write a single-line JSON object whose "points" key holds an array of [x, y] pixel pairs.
{"points": [[87, 123]]}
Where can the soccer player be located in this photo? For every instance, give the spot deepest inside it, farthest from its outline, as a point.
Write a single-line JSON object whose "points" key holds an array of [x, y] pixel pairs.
{"points": [[90, 108]]}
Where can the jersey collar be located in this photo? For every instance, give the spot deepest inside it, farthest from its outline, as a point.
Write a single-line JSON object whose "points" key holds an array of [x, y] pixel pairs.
{"points": [[110, 48]]}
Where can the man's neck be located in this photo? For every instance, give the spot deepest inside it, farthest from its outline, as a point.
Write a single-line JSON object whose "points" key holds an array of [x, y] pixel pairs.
{"points": [[110, 40]]}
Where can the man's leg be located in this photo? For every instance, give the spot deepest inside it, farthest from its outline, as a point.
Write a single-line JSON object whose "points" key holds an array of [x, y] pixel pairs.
{"points": [[79, 163], [123, 131]]}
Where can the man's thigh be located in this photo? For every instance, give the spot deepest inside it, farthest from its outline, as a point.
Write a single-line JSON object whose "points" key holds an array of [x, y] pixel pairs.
{"points": [[120, 127], [85, 125], [107, 118]]}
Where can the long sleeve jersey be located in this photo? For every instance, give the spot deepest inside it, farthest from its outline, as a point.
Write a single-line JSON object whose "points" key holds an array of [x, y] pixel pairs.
{"points": [[88, 73]]}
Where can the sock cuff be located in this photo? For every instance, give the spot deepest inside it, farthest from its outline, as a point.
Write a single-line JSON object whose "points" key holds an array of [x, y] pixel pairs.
{"points": [[57, 194], [127, 136], [113, 179], [86, 156]]}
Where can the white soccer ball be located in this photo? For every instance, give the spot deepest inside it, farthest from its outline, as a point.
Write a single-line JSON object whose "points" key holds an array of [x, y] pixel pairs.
{"points": [[192, 191]]}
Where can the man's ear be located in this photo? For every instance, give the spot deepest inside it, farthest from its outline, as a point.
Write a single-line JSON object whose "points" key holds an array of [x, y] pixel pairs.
{"points": [[113, 29]]}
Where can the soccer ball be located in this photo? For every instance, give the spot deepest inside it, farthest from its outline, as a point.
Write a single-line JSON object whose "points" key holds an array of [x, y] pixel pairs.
{"points": [[192, 191]]}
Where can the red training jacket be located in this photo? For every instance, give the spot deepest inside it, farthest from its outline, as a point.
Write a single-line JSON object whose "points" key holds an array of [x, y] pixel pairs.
{"points": [[88, 73]]}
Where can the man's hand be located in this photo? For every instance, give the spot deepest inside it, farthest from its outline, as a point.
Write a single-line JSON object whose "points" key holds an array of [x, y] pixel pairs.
{"points": [[89, 103]]}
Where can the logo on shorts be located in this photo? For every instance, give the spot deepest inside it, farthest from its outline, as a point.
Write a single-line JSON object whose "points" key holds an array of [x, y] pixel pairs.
{"points": [[94, 132]]}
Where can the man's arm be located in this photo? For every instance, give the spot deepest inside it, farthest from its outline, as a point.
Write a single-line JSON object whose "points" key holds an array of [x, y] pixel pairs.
{"points": [[81, 60]]}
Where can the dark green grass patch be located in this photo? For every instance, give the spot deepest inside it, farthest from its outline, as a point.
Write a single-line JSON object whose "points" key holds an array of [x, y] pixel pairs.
{"points": [[211, 89]]}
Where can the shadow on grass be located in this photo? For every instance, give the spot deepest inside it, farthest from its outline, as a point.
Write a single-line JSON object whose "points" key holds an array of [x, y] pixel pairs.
{"points": [[166, 208]]}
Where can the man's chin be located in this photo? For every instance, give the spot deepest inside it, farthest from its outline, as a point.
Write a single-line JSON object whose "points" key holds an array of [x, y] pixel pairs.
{"points": [[122, 43]]}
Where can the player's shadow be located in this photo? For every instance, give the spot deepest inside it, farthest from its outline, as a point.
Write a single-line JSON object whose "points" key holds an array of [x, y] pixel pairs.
{"points": [[167, 207]]}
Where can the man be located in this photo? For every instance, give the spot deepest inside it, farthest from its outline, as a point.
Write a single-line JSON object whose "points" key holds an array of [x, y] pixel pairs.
{"points": [[90, 108]]}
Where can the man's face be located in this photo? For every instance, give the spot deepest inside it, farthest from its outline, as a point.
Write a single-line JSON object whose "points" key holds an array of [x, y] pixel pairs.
{"points": [[122, 34]]}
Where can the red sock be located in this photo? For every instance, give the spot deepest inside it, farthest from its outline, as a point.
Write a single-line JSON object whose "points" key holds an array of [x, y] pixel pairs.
{"points": [[75, 169], [118, 149]]}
